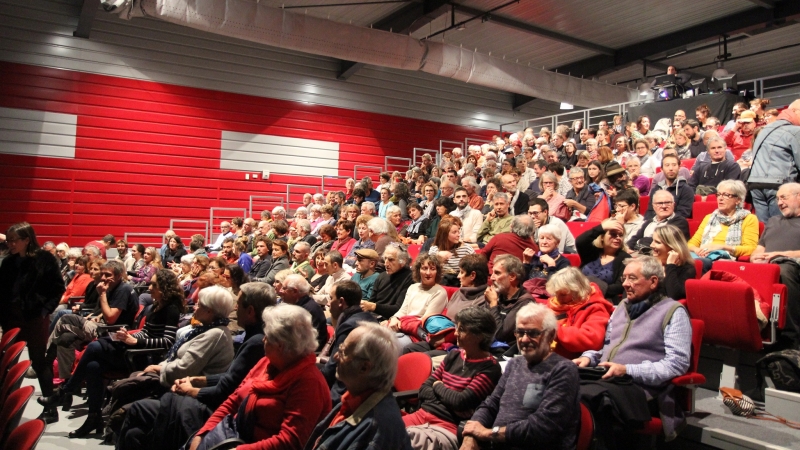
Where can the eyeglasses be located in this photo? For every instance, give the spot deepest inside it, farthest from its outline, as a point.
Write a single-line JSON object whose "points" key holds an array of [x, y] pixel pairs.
{"points": [[576, 179], [663, 204], [532, 334], [12, 240], [785, 197], [614, 234], [726, 195], [534, 213]]}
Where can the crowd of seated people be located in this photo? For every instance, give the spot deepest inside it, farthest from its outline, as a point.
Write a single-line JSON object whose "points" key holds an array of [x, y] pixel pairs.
{"points": [[470, 258]]}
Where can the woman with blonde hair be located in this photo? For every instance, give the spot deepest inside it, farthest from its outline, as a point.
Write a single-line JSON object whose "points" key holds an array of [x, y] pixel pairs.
{"points": [[581, 310], [152, 263], [670, 247]]}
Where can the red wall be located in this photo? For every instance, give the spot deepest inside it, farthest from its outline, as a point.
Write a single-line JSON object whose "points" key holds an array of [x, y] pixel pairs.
{"points": [[149, 152]]}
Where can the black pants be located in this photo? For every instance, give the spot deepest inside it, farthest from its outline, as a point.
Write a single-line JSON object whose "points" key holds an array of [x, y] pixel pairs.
{"points": [[162, 424], [35, 332], [790, 276]]}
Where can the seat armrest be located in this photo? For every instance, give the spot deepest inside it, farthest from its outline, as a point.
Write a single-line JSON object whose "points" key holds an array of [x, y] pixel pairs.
{"points": [[743, 258], [406, 395], [77, 299], [136, 353], [690, 379]]}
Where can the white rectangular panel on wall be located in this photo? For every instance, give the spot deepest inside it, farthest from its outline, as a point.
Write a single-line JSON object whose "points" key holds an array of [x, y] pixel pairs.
{"points": [[37, 133], [259, 152]]}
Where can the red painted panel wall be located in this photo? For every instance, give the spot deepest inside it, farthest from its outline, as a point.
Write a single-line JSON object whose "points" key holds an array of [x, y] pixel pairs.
{"points": [[149, 152]]}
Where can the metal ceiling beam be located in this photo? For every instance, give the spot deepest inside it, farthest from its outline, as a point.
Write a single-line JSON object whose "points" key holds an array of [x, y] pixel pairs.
{"points": [[763, 3], [520, 101], [405, 20], [88, 11], [630, 54], [534, 29]]}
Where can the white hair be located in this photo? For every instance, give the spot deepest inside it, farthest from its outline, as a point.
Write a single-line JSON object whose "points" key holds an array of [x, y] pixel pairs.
{"points": [[319, 196], [378, 225], [278, 210], [378, 345], [552, 230], [370, 206], [217, 299], [534, 310], [188, 259], [290, 327], [298, 282]]}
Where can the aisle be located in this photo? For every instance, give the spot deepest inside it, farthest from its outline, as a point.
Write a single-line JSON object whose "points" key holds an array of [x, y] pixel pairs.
{"points": [[55, 435]]}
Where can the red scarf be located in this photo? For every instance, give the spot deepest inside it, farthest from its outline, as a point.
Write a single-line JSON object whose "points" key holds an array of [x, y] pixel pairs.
{"points": [[276, 383], [350, 404]]}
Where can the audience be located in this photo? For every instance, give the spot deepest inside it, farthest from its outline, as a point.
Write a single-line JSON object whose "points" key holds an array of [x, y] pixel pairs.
{"points": [[169, 422], [446, 224], [649, 339], [367, 415], [458, 385], [730, 231], [283, 397], [536, 402]]}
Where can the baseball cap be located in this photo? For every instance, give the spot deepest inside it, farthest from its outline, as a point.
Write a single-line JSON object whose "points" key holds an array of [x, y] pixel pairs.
{"points": [[747, 116]]}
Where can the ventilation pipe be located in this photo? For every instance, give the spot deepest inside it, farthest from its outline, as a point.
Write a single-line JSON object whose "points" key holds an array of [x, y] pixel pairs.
{"points": [[257, 22]]}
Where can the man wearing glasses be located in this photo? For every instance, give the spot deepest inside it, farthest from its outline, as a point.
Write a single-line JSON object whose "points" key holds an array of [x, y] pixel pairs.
{"points": [[780, 243], [538, 211], [649, 339], [580, 198], [664, 207], [536, 402]]}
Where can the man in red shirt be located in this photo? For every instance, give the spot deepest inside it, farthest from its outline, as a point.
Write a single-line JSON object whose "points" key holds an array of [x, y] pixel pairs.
{"points": [[740, 138], [511, 243], [227, 251]]}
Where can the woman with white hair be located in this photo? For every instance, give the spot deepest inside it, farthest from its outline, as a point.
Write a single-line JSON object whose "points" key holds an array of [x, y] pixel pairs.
{"points": [[730, 231], [282, 398], [548, 260]]}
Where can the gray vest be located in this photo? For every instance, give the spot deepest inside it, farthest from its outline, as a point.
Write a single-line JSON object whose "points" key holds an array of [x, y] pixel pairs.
{"points": [[642, 339]]}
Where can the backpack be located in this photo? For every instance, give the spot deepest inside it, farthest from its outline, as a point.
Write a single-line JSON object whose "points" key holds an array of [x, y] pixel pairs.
{"points": [[783, 368]]}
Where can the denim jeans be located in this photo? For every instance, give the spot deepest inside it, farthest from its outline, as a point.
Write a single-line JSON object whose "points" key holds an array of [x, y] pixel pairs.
{"points": [[765, 201]]}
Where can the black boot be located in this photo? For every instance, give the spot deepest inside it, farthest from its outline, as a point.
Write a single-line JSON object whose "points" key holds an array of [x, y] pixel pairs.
{"points": [[49, 415], [94, 422], [60, 398]]}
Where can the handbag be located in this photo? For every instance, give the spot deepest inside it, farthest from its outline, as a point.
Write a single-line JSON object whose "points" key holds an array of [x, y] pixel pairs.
{"points": [[562, 212], [744, 406]]}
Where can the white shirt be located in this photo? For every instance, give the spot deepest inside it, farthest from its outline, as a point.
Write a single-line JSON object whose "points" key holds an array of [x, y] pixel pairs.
{"points": [[471, 222]]}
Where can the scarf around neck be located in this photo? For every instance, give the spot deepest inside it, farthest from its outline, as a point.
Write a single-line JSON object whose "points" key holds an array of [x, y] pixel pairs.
{"points": [[197, 329], [734, 224]]}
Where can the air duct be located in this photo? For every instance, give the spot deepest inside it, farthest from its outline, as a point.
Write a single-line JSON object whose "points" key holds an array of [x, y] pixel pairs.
{"points": [[257, 22]]}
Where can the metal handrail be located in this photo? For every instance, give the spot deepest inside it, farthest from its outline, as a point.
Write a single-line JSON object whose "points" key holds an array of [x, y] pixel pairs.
{"points": [[386, 159], [355, 170], [336, 177], [159, 235], [205, 223], [211, 218], [282, 200], [556, 119]]}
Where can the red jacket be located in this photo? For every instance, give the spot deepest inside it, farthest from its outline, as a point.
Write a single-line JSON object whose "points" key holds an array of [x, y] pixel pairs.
{"points": [[506, 243], [283, 420], [737, 142], [584, 328]]}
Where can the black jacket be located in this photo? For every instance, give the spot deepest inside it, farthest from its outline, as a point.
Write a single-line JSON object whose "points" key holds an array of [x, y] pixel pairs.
{"points": [[684, 198], [30, 287], [588, 253], [390, 291], [676, 221]]}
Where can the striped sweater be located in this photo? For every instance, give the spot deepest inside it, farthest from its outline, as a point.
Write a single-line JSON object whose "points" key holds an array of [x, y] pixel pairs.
{"points": [[465, 383], [159, 328]]}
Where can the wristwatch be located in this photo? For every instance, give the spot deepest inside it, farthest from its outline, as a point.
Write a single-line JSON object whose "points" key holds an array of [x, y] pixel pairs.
{"points": [[495, 433]]}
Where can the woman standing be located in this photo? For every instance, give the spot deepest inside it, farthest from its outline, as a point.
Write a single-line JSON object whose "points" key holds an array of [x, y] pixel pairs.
{"points": [[30, 288], [448, 247]]}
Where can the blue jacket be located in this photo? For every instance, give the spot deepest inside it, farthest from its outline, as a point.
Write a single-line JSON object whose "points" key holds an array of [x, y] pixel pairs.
{"points": [[375, 425]]}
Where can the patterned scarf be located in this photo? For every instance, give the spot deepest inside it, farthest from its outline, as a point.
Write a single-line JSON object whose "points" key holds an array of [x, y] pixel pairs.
{"points": [[413, 227], [197, 329], [734, 223]]}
